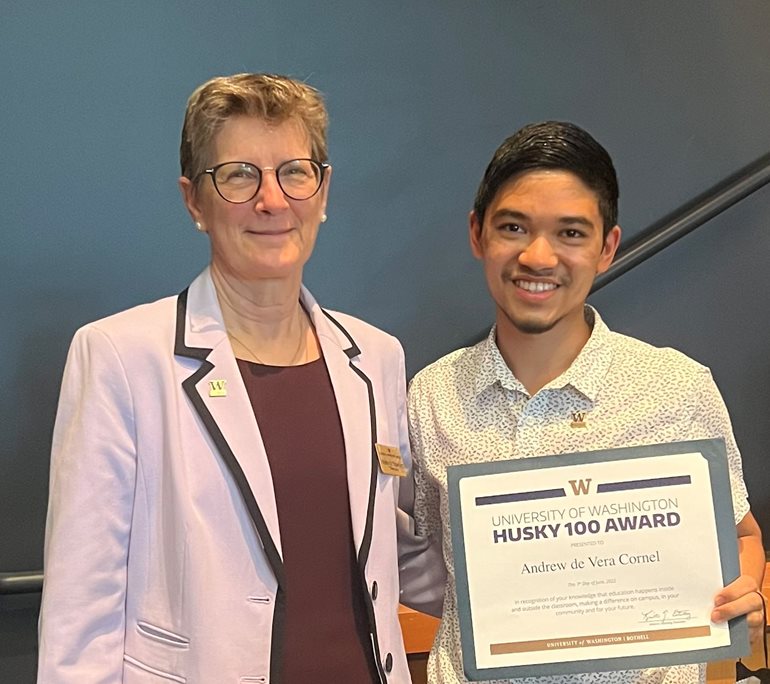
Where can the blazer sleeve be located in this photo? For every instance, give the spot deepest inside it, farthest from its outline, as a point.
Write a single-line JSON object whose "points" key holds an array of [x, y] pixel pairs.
{"points": [[421, 569], [93, 472]]}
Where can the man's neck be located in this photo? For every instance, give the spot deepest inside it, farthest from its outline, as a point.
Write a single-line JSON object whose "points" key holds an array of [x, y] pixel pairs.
{"points": [[537, 359]]}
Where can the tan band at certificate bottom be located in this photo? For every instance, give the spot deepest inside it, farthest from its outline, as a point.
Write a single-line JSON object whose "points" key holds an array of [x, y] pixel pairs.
{"points": [[599, 640]]}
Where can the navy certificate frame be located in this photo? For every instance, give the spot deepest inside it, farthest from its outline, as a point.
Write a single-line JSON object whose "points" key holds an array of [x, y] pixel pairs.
{"points": [[478, 664]]}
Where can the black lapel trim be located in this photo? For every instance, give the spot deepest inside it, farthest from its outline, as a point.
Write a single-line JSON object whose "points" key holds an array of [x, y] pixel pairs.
{"points": [[277, 642], [353, 349], [273, 557], [180, 347], [366, 542], [225, 452]]}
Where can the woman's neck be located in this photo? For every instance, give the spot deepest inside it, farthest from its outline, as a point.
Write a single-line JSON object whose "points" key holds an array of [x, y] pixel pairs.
{"points": [[265, 320]]}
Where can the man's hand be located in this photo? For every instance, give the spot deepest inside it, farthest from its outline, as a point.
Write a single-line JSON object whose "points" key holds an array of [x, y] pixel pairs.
{"points": [[741, 597]]}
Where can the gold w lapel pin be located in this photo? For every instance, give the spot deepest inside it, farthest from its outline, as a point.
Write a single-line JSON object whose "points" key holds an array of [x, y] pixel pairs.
{"points": [[217, 388]]}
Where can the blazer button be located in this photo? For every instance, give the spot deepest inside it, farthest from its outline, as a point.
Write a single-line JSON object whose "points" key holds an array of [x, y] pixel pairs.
{"points": [[388, 663], [374, 590]]}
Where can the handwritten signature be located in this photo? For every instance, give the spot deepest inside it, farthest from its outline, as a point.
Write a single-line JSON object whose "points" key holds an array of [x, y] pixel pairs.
{"points": [[665, 617]]}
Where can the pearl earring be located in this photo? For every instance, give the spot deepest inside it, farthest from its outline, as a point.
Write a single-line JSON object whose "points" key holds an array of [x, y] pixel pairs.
{"points": [[199, 227], [323, 218]]}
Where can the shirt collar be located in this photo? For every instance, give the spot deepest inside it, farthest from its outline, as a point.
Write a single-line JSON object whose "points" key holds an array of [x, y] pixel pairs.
{"points": [[585, 374]]}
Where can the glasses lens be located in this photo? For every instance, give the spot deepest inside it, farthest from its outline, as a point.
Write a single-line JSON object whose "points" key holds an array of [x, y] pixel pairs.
{"points": [[236, 181], [299, 178]]}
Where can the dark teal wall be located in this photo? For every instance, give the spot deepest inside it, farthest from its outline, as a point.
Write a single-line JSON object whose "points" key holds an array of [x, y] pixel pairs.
{"points": [[420, 94]]}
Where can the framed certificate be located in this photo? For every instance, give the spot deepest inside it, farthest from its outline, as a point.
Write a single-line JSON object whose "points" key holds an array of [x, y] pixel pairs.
{"points": [[603, 560]]}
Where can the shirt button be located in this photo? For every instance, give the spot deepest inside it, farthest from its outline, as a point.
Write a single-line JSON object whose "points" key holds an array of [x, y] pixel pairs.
{"points": [[374, 590], [388, 663]]}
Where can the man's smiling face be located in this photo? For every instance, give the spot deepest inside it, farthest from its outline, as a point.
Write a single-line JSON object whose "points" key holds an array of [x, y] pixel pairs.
{"points": [[542, 244]]}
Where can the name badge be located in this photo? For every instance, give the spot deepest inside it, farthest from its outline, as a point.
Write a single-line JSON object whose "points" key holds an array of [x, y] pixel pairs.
{"points": [[391, 461]]}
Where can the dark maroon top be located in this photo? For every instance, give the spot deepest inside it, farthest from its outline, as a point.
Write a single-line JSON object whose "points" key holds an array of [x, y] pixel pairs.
{"points": [[325, 632]]}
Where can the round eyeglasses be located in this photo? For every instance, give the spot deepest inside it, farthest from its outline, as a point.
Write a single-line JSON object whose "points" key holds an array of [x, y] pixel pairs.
{"points": [[238, 182]]}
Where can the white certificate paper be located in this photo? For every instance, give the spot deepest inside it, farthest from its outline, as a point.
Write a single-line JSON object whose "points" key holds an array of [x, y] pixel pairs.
{"points": [[595, 561]]}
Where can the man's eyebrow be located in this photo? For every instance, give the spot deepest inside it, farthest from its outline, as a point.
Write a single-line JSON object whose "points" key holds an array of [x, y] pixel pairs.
{"points": [[579, 220], [510, 214]]}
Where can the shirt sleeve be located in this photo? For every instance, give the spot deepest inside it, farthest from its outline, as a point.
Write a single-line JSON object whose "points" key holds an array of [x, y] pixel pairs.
{"points": [[92, 478], [427, 506], [711, 420]]}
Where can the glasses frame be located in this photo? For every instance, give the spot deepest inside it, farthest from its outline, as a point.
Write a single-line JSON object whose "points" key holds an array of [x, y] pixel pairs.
{"points": [[322, 166]]}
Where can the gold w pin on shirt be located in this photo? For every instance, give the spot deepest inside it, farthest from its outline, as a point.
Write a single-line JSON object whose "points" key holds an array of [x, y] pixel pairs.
{"points": [[578, 419]]}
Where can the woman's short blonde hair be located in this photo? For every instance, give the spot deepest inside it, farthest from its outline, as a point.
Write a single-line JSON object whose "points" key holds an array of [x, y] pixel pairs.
{"points": [[273, 98]]}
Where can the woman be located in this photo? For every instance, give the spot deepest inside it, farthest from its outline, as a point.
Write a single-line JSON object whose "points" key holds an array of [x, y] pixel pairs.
{"points": [[217, 509]]}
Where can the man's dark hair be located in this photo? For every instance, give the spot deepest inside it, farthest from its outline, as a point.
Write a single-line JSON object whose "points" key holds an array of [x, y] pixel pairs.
{"points": [[552, 145]]}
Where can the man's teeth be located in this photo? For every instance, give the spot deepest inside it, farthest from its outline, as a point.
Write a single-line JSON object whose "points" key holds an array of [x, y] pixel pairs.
{"points": [[535, 287]]}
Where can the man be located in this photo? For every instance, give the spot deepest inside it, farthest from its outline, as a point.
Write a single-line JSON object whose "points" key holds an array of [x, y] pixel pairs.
{"points": [[544, 224]]}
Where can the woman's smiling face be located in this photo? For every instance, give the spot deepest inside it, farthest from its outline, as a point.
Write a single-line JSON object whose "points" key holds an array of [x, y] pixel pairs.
{"points": [[270, 236]]}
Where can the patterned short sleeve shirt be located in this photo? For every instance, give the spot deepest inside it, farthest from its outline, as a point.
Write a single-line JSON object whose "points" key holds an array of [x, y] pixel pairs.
{"points": [[468, 407]]}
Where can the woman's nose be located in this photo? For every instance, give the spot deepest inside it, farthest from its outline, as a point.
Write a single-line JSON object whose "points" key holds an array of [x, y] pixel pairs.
{"points": [[270, 196], [538, 255]]}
